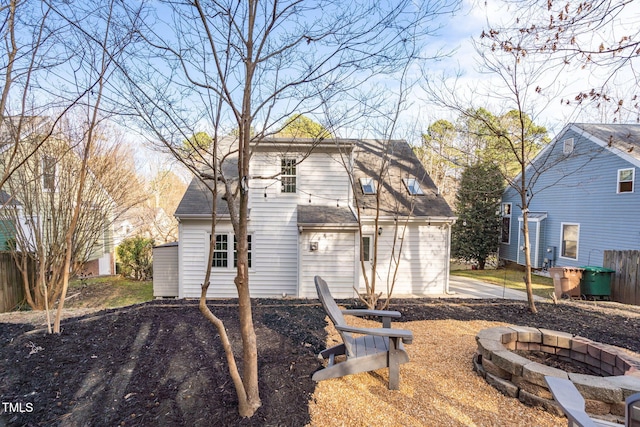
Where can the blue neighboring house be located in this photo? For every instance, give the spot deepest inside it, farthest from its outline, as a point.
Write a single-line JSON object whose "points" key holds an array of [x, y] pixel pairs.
{"points": [[583, 198]]}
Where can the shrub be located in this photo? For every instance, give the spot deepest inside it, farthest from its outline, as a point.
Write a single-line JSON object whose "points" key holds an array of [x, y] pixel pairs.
{"points": [[135, 257]]}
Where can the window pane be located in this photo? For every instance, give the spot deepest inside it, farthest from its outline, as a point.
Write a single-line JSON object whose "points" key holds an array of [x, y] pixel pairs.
{"points": [[368, 186], [626, 175], [413, 186], [235, 250], [220, 252], [625, 181], [570, 241], [626, 187], [288, 175], [49, 173], [366, 248], [506, 226]]}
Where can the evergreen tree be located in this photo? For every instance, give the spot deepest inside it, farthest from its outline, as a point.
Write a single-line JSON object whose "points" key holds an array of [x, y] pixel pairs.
{"points": [[475, 235]]}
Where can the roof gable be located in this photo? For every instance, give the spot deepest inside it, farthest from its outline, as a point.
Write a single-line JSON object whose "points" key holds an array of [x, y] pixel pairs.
{"points": [[622, 140], [367, 154]]}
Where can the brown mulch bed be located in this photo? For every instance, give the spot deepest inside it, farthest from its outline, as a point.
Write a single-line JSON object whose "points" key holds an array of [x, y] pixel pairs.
{"points": [[160, 363]]}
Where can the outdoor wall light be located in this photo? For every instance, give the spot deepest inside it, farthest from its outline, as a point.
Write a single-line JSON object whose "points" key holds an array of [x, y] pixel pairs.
{"points": [[380, 231]]}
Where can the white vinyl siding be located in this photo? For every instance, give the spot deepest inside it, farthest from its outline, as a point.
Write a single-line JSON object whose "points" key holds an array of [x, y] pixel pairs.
{"points": [[333, 260], [424, 258], [165, 271], [282, 259], [272, 225]]}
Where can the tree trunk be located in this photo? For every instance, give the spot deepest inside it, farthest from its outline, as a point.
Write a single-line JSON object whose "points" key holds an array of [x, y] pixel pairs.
{"points": [[527, 257]]}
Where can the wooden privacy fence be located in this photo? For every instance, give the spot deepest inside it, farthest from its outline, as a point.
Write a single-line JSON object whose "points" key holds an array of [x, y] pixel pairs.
{"points": [[11, 289], [625, 283]]}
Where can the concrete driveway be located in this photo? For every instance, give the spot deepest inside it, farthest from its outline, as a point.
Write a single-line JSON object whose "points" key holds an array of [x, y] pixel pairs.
{"points": [[464, 287]]}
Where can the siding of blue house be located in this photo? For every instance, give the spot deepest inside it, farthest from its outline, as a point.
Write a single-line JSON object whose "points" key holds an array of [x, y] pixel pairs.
{"points": [[578, 189]]}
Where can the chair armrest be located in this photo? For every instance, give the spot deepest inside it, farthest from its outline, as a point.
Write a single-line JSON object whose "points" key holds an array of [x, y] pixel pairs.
{"points": [[570, 400], [379, 313], [405, 335]]}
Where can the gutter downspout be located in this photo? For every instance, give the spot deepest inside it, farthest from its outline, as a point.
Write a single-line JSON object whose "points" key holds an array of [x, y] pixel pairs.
{"points": [[447, 291]]}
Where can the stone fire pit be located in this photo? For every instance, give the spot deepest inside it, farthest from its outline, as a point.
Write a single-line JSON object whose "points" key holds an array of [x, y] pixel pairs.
{"points": [[616, 371]]}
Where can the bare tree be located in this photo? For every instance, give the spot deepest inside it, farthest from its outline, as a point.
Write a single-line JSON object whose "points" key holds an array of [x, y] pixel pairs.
{"points": [[58, 59], [239, 69], [523, 86], [28, 36], [599, 38], [42, 191]]}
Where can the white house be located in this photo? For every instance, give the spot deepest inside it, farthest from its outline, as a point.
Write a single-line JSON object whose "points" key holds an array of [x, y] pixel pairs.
{"points": [[303, 222]]}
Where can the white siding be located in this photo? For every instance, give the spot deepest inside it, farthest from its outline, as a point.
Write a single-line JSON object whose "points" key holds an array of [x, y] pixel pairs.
{"points": [[165, 271], [424, 259], [334, 261], [273, 226]]}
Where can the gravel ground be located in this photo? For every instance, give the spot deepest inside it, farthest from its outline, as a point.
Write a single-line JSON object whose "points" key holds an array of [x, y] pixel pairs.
{"points": [[437, 387]]}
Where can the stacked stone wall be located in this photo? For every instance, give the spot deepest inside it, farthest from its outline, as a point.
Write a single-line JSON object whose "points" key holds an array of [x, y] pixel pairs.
{"points": [[616, 371]]}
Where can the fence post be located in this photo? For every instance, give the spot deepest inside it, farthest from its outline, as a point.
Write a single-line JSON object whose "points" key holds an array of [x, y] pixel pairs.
{"points": [[625, 283]]}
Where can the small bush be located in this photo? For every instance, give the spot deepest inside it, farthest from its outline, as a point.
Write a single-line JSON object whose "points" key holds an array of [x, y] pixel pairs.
{"points": [[135, 257]]}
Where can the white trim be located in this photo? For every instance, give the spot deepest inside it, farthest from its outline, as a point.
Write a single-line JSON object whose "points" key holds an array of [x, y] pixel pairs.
{"points": [[367, 183], [502, 216], [371, 238], [413, 186], [633, 181], [180, 263], [560, 254], [230, 251], [583, 133], [622, 154], [46, 189], [294, 176], [567, 146]]}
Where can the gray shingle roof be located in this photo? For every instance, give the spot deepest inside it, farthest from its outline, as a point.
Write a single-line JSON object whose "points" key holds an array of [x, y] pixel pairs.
{"points": [[197, 201], [314, 214], [395, 200], [625, 137]]}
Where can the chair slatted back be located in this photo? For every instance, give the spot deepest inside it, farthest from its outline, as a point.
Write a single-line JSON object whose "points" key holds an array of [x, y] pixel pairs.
{"points": [[333, 311], [633, 411]]}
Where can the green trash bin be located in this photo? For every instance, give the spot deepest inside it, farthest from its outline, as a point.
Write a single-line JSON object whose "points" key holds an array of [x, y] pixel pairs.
{"points": [[596, 282]]}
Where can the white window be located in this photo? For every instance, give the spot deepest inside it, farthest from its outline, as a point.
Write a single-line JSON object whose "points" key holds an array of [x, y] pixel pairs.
{"points": [[368, 186], [48, 173], [235, 250], [567, 146], [366, 249], [223, 252], [505, 232], [570, 238], [413, 186], [626, 178], [288, 175]]}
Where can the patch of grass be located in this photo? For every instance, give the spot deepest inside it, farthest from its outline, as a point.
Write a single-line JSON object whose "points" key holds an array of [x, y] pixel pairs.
{"points": [[512, 279], [108, 292]]}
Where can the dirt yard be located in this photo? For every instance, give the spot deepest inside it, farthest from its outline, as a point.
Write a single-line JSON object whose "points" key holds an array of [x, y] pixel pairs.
{"points": [[160, 363]]}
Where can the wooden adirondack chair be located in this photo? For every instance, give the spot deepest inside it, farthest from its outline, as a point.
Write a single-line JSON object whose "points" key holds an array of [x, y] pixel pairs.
{"points": [[573, 405], [373, 348]]}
